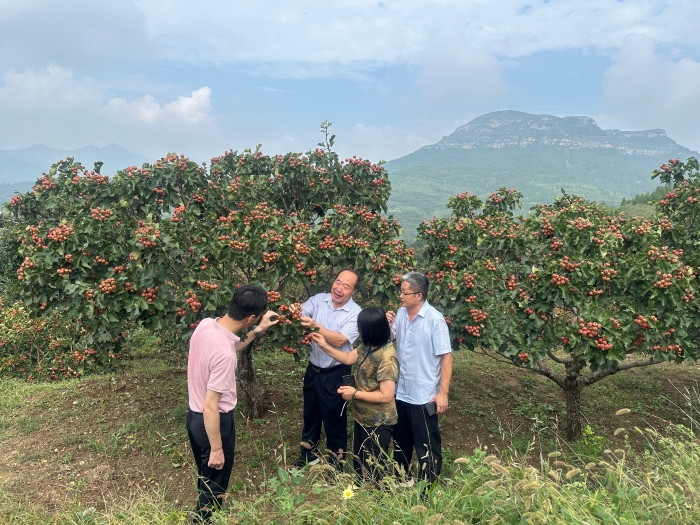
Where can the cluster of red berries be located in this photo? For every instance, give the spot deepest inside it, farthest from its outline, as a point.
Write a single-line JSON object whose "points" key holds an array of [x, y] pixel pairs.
{"points": [[528, 311], [590, 329], [615, 322], [328, 243], [98, 179], [150, 294], [60, 233], [642, 322], [15, 200], [270, 257], [303, 249], [643, 228], [566, 340], [479, 316], [567, 265], [602, 344], [469, 280], [289, 349], [511, 283], [130, 287], [688, 296], [101, 260], [240, 244], [607, 274], [144, 232], [470, 299], [559, 280], [524, 357], [193, 303], [88, 295], [101, 215], [664, 282], [176, 214], [556, 244], [64, 272], [595, 292], [273, 296], [523, 294], [27, 263], [198, 197], [119, 269], [45, 183], [670, 332], [207, 286], [474, 331], [547, 229], [491, 266], [181, 312], [108, 286]]}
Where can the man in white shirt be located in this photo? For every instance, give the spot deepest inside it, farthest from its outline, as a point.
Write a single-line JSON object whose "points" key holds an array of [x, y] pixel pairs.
{"points": [[425, 370], [335, 316]]}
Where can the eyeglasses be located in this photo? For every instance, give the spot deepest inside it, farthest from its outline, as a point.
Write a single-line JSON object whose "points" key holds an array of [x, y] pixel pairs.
{"points": [[408, 293]]}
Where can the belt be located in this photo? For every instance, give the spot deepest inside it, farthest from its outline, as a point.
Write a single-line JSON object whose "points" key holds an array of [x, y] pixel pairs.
{"points": [[329, 370]]}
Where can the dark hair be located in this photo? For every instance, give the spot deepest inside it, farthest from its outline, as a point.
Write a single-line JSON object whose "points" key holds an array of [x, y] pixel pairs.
{"points": [[373, 327], [246, 301], [351, 270], [417, 282]]}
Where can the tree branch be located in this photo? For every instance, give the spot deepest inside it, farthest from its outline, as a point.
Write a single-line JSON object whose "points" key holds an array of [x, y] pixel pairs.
{"points": [[544, 370], [601, 374], [560, 360]]}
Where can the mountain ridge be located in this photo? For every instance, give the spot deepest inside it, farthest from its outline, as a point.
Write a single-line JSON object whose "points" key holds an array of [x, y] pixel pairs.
{"points": [[535, 154]]}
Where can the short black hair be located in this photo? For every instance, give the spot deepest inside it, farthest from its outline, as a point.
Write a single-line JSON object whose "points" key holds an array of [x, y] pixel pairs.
{"points": [[246, 301], [357, 276], [373, 327]]}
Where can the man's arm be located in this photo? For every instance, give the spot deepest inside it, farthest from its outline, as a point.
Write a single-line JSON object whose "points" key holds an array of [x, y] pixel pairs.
{"points": [[265, 323], [332, 338], [213, 428], [445, 378]]}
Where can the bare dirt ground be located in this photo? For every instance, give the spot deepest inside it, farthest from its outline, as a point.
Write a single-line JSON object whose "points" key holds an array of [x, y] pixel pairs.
{"points": [[85, 443]]}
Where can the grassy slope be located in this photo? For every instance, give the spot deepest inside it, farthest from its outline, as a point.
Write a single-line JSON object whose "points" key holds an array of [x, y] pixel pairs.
{"points": [[118, 442], [423, 181]]}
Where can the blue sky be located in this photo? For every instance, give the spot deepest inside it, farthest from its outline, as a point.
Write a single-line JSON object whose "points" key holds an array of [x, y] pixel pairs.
{"points": [[201, 77]]}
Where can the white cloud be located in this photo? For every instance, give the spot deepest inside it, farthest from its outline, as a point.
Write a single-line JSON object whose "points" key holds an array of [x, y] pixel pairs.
{"points": [[53, 90], [192, 110], [643, 89], [75, 33], [313, 37], [52, 106]]}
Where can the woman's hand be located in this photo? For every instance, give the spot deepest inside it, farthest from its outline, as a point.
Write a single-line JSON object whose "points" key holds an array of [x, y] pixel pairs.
{"points": [[319, 340], [346, 392]]}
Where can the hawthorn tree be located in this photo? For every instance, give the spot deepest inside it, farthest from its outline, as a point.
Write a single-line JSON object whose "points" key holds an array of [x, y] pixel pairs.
{"points": [[166, 244], [572, 292]]}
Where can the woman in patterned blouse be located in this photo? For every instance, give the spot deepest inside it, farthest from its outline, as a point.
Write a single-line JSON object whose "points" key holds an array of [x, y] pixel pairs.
{"points": [[376, 371]]}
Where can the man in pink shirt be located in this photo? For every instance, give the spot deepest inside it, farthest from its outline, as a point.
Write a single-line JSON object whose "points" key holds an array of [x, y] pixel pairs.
{"points": [[211, 385]]}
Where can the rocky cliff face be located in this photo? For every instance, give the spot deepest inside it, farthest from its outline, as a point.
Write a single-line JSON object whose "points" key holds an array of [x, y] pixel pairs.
{"points": [[514, 128]]}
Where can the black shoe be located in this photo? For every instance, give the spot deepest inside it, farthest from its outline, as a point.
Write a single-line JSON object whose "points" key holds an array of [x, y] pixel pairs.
{"points": [[304, 460]]}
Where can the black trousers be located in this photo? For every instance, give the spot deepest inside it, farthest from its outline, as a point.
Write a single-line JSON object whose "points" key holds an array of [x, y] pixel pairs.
{"points": [[211, 482], [417, 429], [323, 406], [371, 451]]}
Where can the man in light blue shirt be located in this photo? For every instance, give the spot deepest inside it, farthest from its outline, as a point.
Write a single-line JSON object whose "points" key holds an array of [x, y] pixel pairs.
{"points": [[425, 370], [335, 316]]}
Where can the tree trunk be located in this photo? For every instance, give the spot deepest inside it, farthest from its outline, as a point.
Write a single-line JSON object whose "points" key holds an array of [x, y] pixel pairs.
{"points": [[249, 389], [572, 391]]}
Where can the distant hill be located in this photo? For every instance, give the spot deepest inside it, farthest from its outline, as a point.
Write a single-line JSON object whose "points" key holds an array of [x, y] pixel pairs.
{"points": [[535, 154], [26, 165]]}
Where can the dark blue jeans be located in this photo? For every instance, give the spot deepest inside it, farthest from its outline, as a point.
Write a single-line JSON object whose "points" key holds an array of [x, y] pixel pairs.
{"points": [[416, 429], [211, 483]]}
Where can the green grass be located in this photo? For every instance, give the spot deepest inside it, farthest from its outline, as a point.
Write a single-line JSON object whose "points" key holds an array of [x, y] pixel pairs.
{"points": [[60, 436]]}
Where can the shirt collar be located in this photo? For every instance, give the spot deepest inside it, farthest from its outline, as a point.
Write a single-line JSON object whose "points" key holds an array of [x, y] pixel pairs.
{"points": [[329, 300], [423, 309]]}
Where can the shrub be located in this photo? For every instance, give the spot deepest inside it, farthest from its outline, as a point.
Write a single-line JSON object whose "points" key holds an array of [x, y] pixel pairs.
{"points": [[45, 347]]}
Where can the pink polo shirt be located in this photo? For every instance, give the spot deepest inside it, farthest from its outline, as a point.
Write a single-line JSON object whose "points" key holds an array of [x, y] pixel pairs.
{"points": [[211, 365]]}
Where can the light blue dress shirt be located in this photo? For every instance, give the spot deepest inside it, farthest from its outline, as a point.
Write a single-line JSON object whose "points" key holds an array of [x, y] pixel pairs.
{"points": [[419, 345], [343, 320]]}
